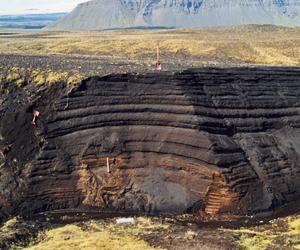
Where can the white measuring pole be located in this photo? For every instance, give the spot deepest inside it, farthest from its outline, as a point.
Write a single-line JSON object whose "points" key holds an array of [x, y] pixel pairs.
{"points": [[107, 165], [157, 54]]}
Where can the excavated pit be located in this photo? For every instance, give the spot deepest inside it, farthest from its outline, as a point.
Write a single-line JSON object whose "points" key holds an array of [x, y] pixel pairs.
{"points": [[211, 140]]}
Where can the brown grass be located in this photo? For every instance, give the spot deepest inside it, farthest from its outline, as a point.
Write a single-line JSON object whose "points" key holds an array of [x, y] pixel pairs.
{"points": [[21, 76], [250, 44]]}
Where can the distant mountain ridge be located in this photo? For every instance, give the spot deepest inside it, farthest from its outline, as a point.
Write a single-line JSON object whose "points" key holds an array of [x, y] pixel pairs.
{"points": [[110, 14]]}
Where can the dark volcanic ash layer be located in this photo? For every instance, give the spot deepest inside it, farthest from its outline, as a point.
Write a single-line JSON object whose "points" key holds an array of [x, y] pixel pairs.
{"points": [[216, 140]]}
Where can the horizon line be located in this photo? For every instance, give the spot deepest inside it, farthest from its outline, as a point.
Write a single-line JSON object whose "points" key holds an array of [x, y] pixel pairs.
{"points": [[35, 13]]}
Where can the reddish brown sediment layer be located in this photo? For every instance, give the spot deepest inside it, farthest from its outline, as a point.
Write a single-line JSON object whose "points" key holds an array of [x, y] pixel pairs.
{"points": [[213, 140]]}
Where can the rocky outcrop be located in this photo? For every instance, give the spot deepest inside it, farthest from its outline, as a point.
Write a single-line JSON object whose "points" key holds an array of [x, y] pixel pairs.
{"points": [[110, 14], [212, 140]]}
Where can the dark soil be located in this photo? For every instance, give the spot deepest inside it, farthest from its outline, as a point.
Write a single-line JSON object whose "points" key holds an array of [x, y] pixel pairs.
{"points": [[103, 65]]}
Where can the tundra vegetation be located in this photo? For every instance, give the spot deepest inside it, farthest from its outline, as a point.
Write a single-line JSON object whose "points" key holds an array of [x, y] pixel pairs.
{"points": [[281, 233], [38, 77], [269, 45], [151, 233]]}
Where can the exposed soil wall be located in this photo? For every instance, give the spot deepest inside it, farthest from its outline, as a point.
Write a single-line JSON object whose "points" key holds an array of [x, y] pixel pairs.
{"points": [[212, 140]]}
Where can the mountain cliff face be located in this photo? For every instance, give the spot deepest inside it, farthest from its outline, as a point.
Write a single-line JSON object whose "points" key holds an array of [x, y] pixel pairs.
{"points": [[109, 14], [216, 140]]}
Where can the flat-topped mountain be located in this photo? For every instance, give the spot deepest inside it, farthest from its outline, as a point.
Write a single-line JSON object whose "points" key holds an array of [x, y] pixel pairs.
{"points": [[212, 140], [110, 14]]}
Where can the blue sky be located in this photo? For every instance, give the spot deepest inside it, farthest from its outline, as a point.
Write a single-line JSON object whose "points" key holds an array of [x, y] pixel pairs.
{"points": [[36, 6]]}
